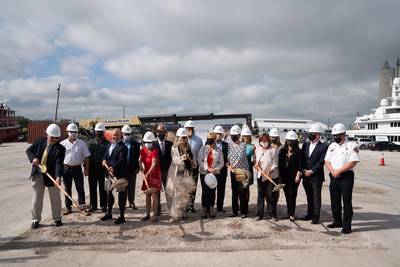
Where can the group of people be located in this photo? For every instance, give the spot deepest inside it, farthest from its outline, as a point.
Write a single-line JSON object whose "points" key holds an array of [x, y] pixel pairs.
{"points": [[175, 167]]}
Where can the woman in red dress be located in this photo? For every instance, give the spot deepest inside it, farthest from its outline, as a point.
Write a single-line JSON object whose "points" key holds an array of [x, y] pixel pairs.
{"points": [[150, 167]]}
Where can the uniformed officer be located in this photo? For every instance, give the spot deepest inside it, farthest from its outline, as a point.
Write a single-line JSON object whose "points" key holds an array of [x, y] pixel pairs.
{"points": [[340, 160]]}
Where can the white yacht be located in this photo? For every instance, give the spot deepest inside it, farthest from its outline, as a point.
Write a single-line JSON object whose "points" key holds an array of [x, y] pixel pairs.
{"points": [[384, 123]]}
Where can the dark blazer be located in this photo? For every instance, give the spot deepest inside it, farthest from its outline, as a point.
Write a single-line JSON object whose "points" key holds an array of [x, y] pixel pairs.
{"points": [[117, 159], [288, 167], [134, 154], [224, 170], [55, 159], [166, 159], [316, 161]]}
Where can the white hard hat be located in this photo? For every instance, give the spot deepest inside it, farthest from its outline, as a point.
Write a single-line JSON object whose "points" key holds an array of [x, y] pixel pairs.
{"points": [[181, 132], [100, 127], [315, 128], [53, 130], [219, 129], [274, 132], [291, 135], [235, 130], [189, 124], [396, 81], [338, 128], [211, 180], [246, 131], [149, 137], [72, 127], [126, 129]]}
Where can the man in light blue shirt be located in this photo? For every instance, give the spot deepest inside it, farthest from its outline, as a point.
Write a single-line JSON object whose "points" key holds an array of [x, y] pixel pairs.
{"points": [[195, 143]]}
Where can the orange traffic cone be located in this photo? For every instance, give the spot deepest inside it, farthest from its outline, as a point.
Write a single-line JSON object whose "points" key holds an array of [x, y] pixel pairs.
{"points": [[382, 161]]}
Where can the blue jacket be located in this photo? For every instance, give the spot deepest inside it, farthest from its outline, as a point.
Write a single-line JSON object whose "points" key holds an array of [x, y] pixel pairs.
{"points": [[315, 161], [117, 159]]}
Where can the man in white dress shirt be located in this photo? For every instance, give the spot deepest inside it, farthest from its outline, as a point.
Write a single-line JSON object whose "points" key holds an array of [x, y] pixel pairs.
{"points": [[76, 154]]}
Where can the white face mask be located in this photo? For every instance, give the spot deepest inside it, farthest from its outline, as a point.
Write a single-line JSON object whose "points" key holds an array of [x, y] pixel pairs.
{"points": [[148, 145], [264, 144], [72, 135]]}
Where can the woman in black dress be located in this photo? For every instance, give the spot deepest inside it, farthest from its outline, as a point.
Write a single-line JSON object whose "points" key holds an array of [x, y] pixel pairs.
{"points": [[290, 159]]}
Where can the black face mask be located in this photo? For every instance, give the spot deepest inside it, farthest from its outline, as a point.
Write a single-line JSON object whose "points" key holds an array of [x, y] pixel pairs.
{"points": [[337, 139], [210, 141], [234, 138], [161, 136], [290, 143], [311, 137]]}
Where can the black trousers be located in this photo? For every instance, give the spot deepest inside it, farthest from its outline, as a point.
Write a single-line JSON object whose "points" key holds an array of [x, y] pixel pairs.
{"points": [[239, 193], [96, 177], [290, 190], [312, 186], [74, 174], [131, 186], [342, 188], [164, 177], [207, 194], [266, 189], [121, 202], [276, 196], [221, 178], [195, 175]]}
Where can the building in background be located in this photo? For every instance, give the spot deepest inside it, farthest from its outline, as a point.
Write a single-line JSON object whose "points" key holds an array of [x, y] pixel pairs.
{"points": [[386, 76], [285, 125]]}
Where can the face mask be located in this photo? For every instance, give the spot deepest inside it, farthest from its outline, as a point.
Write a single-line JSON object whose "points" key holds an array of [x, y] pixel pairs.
{"points": [[290, 143], [127, 138], [234, 138], [148, 145], [161, 136], [311, 137], [337, 139], [99, 134], [264, 144], [210, 142], [72, 135]]}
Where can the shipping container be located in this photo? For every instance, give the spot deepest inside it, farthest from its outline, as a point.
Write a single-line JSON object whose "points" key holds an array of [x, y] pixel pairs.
{"points": [[37, 129]]}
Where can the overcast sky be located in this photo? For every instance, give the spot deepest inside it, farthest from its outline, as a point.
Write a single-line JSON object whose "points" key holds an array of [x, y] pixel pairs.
{"points": [[274, 59]]}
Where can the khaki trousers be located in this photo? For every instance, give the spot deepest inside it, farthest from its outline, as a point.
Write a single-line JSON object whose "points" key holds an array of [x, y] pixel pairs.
{"points": [[37, 199]]}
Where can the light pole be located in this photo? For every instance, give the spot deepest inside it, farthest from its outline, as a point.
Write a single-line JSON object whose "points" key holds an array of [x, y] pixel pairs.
{"points": [[58, 98]]}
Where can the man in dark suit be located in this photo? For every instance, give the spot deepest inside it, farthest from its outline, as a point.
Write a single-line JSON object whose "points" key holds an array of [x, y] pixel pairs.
{"points": [[221, 177], [313, 172], [132, 160], [115, 163], [164, 151], [46, 156]]}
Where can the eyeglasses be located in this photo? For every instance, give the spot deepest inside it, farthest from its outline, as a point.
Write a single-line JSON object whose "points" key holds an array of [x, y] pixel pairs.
{"points": [[72, 132], [127, 134]]}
